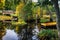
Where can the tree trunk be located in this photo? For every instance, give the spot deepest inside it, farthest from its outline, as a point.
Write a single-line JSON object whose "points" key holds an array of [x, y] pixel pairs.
{"points": [[55, 2]]}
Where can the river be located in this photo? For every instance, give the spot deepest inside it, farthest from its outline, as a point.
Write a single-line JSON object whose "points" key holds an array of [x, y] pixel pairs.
{"points": [[12, 35]]}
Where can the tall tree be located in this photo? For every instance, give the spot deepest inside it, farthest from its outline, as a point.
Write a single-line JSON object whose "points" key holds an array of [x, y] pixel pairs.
{"points": [[10, 4], [46, 3], [55, 2]]}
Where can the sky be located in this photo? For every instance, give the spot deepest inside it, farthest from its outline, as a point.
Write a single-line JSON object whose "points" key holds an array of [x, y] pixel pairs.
{"points": [[10, 35], [34, 0]]}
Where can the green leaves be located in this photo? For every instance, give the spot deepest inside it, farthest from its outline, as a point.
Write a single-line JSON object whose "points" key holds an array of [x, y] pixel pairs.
{"points": [[1, 5], [10, 4], [28, 10], [44, 20], [45, 2], [48, 33], [28, 7], [1, 24]]}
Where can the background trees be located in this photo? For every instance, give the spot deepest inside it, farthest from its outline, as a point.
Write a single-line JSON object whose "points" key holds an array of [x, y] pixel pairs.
{"points": [[25, 11], [55, 2]]}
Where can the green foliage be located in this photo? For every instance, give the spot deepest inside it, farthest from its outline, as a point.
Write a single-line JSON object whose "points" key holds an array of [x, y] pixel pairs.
{"points": [[51, 8], [48, 33], [10, 4], [28, 10], [1, 5], [1, 24], [16, 2], [28, 7], [44, 20]]}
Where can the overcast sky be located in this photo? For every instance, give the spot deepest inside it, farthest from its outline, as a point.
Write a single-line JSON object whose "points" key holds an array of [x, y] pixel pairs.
{"points": [[34, 0], [37, 1]]}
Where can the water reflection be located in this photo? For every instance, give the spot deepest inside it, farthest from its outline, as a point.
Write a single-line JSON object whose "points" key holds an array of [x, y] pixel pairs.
{"points": [[35, 31], [35, 37], [31, 34], [2, 32], [10, 35]]}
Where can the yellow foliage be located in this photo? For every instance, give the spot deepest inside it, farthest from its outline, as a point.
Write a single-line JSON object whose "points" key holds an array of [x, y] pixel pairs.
{"points": [[19, 8], [19, 23], [44, 12], [46, 16], [5, 18], [38, 11], [17, 13], [3, 1], [2, 4], [48, 24], [16, 28]]}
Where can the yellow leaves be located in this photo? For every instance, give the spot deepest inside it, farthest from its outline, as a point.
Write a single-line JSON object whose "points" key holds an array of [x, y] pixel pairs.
{"points": [[16, 28], [20, 22], [19, 8], [44, 12], [38, 11], [13, 15], [2, 4], [3, 1], [48, 24], [5, 18], [17, 13], [46, 16]]}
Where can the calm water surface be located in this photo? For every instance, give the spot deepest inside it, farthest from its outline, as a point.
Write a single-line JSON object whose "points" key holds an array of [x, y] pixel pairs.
{"points": [[10, 35]]}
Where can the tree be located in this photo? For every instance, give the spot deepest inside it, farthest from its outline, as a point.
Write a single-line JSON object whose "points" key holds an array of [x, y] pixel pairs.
{"points": [[55, 2], [11, 4], [27, 10], [45, 3], [2, 4]]}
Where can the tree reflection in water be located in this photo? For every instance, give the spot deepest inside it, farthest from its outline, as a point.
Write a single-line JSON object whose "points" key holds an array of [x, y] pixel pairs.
{"points": [[2, 30], [24, 33]]}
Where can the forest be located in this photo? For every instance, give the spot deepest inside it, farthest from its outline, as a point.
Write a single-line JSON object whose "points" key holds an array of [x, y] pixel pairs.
{"points": [[29, 19]]}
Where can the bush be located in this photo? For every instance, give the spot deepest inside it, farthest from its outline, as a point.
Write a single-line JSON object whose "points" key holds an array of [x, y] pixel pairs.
{"points": [[47, 34]]}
